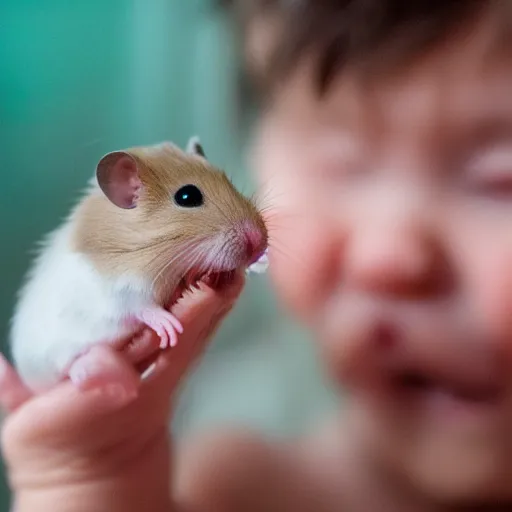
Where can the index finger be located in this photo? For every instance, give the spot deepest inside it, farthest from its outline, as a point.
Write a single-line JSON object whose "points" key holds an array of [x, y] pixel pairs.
{"points": [[68, 412], [201, 312]]}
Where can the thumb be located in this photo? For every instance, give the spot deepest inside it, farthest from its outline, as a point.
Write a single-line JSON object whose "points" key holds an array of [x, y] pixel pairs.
{"points": [[67, 410]]}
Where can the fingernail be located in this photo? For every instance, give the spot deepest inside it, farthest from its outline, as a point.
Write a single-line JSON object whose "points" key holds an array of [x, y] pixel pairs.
{"points": [[85, 370], [81, 371]]}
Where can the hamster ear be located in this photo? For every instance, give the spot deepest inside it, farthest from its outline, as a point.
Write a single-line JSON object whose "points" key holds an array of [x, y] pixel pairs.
{"points": [[118, 177], [194, 147]]}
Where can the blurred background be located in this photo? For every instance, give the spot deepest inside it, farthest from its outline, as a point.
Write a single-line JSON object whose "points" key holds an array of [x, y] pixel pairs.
{"points": [[79, 79]]}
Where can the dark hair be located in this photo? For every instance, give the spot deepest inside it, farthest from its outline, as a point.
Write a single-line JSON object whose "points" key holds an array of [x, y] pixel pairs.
{"points": [[365, 34]]}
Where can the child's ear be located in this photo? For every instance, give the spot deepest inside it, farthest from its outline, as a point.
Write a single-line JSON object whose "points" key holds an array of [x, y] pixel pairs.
{"points": [[194, 147], [118, 177]]}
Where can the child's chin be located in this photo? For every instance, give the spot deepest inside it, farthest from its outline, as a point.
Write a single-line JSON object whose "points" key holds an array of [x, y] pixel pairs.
{"points": [[463, 457], [451, 469]]}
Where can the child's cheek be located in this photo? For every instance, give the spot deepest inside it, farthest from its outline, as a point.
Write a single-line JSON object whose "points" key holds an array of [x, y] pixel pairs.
{"points": [[497, 297], [305, 261], [492, 288], [304, 238]]}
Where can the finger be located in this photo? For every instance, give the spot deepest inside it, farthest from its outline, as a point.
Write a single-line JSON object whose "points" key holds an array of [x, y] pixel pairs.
{"points": [[197, 308], [13, 391], [143, 366], [142, 347], [68, 411], [201, 312], [98, 369]]}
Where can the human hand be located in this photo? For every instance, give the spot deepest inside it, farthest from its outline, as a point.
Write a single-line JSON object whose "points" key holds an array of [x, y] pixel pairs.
{"points": [[106, 448]]}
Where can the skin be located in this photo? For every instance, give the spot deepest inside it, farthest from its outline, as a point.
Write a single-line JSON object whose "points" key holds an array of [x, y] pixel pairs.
{"points": [[403, 259], [72, 457]]}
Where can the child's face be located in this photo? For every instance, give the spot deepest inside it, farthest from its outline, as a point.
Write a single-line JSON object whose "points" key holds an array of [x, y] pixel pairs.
{"points": [[392, 238]]}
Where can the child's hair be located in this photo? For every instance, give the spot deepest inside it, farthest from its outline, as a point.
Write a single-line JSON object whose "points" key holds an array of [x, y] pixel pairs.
{"points": [[369, 35]]}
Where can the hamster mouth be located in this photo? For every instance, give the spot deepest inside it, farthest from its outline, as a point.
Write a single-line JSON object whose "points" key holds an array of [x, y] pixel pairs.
{"points": [[215, 280], [194, 279]]}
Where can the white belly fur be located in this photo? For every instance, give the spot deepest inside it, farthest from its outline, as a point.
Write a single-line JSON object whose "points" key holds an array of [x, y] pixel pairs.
{"points": [[65, 307]]}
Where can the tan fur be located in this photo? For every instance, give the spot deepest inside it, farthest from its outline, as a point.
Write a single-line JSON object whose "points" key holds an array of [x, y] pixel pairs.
{"points": [[145, 239]]}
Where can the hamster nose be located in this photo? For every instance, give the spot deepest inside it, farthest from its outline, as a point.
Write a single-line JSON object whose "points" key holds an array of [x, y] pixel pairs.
{"points": [[255, 242]]}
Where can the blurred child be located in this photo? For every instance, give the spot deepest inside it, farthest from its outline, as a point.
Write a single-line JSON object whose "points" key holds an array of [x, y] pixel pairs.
{"points": [[385, 149]]}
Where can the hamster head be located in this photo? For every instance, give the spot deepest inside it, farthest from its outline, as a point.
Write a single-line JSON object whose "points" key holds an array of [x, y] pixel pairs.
{"points": [[170, 211]]}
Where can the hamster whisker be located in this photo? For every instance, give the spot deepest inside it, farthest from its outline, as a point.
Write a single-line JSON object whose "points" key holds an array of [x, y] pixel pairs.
{"points": [[272, 212], [198, 255], [158, 256], [262, 199], [186, 248], [280, 221], [144, 247], [194, 257], [117, 250], [287, 254], [274, 223], [183, 251], [213, 260]]}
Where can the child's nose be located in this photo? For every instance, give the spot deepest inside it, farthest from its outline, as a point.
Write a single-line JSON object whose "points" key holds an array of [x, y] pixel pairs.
{"points": [[397, 259]]}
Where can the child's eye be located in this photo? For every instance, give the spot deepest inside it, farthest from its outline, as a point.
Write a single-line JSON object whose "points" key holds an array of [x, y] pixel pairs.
{"points": [[491, 172], [498, 185], [338, 157], [339, 171]]}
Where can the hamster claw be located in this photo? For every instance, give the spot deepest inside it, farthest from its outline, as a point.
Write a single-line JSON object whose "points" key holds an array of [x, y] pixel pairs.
{"points": [[165, 324]]}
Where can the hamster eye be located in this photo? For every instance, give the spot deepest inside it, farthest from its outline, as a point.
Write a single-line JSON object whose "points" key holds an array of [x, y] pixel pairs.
{"points": [[189, 196]]}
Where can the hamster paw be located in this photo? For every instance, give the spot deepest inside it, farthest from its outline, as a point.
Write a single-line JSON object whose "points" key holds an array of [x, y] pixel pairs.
{"points": [[165, 324]]}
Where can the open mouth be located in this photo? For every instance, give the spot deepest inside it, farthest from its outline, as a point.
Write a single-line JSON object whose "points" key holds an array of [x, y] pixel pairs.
{"points": [[215, 280], [440, 378], [415, 384]]}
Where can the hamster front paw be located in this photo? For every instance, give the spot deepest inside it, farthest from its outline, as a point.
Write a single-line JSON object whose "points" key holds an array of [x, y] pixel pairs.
{"points": [[165, 324]]}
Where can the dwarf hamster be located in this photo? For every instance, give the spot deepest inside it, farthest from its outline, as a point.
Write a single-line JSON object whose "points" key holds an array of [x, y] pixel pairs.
{"points": [[153, 222]]}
